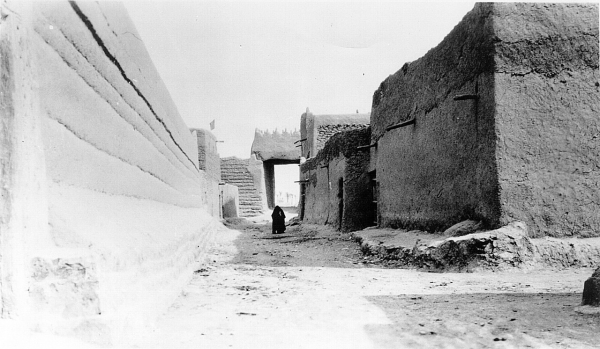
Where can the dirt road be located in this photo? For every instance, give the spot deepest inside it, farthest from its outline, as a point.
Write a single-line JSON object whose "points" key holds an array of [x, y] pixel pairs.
{"points": [[312, 288]]}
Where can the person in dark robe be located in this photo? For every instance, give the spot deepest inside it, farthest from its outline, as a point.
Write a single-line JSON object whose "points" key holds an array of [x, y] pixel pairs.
{"points": [[278, 220]]}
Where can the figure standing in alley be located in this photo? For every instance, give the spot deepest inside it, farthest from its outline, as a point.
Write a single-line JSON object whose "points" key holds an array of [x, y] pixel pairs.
{"points": [[278, 220]]}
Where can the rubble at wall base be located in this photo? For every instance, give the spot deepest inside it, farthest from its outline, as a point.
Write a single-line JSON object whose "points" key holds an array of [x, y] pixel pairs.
{"points": [[505, 248]]}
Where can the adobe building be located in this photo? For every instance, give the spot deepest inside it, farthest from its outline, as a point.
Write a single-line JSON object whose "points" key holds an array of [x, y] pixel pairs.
{"points": [[104, 209], [335, 188], [497, 123]]}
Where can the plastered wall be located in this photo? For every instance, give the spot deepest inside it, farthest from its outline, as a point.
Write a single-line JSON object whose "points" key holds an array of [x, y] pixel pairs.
{"points": [[505, 113], [336, 183], [547, 116], [120, 203]]}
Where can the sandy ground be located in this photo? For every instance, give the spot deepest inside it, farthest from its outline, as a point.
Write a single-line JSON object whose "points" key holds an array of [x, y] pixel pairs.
{"points": [[312, 288]]}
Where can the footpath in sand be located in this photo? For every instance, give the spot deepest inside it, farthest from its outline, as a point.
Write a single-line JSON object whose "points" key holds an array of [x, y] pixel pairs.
{"points": [[312, 288]]}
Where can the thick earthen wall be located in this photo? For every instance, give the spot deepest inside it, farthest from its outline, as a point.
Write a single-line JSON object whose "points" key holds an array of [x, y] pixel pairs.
{"points": [[505, 119], [440, 169], [126, 203], [547, 116]]}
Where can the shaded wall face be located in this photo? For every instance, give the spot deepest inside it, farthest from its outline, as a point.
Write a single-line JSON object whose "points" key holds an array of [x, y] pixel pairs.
{"points": [[441, 169], [121, 173], [358, 198], [548, 103]]}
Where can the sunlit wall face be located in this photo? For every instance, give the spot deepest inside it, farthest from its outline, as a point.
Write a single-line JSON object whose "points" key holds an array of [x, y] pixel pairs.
{"points": [[287, 192]]}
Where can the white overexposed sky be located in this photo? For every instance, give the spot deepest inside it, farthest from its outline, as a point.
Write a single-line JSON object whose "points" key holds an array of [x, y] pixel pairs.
{"points": [[250, 65]]}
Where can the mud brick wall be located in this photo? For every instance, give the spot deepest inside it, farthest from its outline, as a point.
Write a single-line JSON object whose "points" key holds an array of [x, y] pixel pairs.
{"points": [[113, 190], [248, 176], [547, 116], [310, 125], [324, 132], [519, 150], [337, 192]]}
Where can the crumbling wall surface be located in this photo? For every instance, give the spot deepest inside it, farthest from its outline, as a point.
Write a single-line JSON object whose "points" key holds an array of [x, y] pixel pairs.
{"points": [[276, 145], [440, 169], [337, 190], [125, 201], [547, 107], [324, 132]]}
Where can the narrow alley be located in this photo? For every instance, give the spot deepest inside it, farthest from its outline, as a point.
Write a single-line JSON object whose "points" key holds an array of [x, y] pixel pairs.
{"points": [[311, 287]]}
